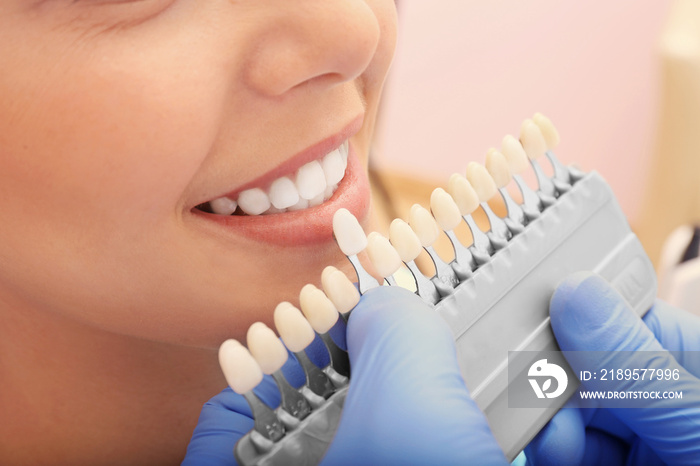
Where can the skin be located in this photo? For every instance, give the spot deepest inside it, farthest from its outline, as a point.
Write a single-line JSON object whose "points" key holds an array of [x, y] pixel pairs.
{"points": [[116, 119]]}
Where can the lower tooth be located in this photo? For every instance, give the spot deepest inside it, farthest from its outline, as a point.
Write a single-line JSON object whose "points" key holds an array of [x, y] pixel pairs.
{"points": [[302, 204], [318, 200], [274, 210]]}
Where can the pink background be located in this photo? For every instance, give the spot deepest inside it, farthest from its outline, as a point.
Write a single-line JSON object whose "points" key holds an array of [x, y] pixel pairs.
{"points": [[468, 72]]}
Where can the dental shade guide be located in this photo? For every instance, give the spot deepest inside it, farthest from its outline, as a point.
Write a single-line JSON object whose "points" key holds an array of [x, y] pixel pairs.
{"points": [[494, 294]]}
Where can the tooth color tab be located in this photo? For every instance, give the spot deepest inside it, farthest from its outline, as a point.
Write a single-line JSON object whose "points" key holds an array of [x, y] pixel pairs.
{"points": [[550, 133], [223, 206], [481, 181], [532, 140], [497, 166], [253, 201], [339, 289], [404, 240], [295, 330], [266, 348], [382, 254], [311, 181], [348, 233], [240, 369], [463, 194], [318, 309], [444, 209], [514, 153], [283, 193], [423, 225]]}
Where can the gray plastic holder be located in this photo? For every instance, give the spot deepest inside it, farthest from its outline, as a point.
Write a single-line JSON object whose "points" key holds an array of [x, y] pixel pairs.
{"points": [[504, 306]]}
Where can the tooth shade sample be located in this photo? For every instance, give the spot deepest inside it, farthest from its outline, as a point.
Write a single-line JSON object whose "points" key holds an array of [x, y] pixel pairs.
{"points": [[333, 167], [295, 330], [283, 193], [423, 225], [514, 153], [317, 308], [266, 348], [532, 140], [242, 372], [550, 133], [481, 181], [497, 166], [253, 201], [339, 289], [348, 233], [223, 206], [463, 194], [445, 211], [382, 254], [404, 240], [311, 181]]}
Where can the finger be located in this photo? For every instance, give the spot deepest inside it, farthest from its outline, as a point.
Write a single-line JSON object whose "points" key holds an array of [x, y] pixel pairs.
{"points": [[590, 318], [223, 420], [407, 392], [678, 331], [602, 448], [561, 441]]}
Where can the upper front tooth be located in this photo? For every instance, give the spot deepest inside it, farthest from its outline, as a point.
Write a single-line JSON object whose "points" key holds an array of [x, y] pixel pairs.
{"points": [[253, 201], [283, 193], [333, 167], [311, 181]]}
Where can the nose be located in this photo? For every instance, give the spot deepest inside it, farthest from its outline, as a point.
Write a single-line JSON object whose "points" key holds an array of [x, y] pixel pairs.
{"points": [[325, 42]]}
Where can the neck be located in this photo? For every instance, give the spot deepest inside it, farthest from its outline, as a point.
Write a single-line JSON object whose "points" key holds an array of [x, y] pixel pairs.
{"points": [[87, 396]]}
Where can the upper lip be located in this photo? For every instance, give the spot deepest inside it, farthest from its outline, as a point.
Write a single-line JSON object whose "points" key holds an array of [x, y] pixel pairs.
{"points": [[292, 164]]}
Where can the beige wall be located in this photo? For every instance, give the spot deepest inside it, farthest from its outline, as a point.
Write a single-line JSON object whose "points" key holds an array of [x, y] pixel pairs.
{"points": [[467, 72]]}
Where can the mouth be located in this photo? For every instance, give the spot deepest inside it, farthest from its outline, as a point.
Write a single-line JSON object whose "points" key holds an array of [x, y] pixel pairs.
{"points": [[294, 203], [311, 185]]}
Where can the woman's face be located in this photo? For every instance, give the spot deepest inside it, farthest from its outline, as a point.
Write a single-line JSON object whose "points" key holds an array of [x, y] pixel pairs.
{"points": [[121, 119]]}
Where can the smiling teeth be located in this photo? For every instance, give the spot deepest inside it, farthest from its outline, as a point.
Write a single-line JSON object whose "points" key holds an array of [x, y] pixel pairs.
{"points": [[312, 185]]}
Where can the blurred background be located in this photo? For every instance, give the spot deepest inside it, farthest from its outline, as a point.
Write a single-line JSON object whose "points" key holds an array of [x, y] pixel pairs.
{"points": [[608, 74]]}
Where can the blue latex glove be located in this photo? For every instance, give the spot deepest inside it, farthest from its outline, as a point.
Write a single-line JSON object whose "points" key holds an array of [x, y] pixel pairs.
{"points": [[407, 402], [588, 315]]}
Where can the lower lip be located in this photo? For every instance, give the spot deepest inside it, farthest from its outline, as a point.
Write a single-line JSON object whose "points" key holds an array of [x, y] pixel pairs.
{"points": [[303, 227]]}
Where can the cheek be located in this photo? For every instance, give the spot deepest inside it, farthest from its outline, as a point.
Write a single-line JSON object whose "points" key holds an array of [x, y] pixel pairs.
{"points": [[103, 147], [94, 159]]}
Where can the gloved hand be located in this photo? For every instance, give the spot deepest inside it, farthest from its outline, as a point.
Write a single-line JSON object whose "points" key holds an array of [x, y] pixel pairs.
{"points": [[588, 315], [407, 402]]}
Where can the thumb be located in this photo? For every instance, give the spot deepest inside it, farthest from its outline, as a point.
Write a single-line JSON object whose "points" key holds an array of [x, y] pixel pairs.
{"points": [[594, 324], [407, 402]]}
